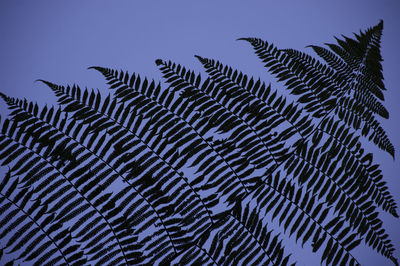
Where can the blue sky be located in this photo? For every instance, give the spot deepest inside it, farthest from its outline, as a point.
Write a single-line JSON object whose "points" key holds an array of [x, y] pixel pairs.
{"points": [[58, 40]]}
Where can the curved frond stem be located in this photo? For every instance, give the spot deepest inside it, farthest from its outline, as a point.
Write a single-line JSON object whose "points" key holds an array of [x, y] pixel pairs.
{"points": [[38, 226], [336, 63], [139, 193], [370, 223], [206, 252], [318, 71], [114, 170], [144, 143], [306, 213], [218, 153], [368, 41], [284, 68], [366, 98], [341, 81], [187, 121], [195, 244], [222, 107], [79, 192], [382, 194], [320, 123], [212, 66], [363, 54], [194, 173], [253, 236], [379, 136]]}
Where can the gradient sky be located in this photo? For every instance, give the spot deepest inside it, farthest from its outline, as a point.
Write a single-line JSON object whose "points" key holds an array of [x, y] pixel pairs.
{"points": [[58, 40]]}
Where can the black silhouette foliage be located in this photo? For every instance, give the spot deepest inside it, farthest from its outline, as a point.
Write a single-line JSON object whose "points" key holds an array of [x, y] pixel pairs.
{"points": [[192, 173]]}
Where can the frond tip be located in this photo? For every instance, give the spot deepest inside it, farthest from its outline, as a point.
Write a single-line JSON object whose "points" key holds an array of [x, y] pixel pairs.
{"points": [[158, 62]]}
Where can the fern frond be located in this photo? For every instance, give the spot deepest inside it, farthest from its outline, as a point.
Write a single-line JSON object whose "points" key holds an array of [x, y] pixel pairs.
{"points": [[355, 115], [365, 92], [191, 173], [159, 170], [276, 61], [318, 100], [241, 89], [298, 211], [335, 62], [82, 182], [365, 50], [246, 132], [29, 233], [180, 109], [343, 142], [239, 237], [330, 175]]}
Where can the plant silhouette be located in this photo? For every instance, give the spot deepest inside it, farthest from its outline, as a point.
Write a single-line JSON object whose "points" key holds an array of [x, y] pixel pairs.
{"points": [[192, 172]]}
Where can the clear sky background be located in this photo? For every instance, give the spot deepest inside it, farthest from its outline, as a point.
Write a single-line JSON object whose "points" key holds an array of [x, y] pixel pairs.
{"points": [[58, 40]]}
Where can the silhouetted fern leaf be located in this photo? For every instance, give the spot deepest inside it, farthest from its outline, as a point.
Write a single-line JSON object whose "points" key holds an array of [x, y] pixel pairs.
{"points": [[192, 173], [322, 88]]}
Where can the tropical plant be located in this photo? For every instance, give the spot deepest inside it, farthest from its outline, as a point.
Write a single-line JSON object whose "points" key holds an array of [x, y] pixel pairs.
{"points": [[191, 173]]}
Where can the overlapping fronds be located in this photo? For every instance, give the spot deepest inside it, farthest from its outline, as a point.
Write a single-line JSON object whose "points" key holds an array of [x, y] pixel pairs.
{"points": [[353, 69], [239, 238], [202, 171]]}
